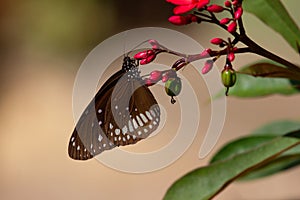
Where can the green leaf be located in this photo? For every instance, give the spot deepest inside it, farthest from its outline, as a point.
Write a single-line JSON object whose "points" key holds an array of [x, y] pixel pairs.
{"points": [[278, 128], [274, 14], [205, 182], [279, 164], [266, 69], [287, 160], [239, 146], [249, 86]]}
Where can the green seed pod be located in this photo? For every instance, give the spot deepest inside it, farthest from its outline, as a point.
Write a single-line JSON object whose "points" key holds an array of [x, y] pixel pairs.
{"points": [[173, 86], [228, 77]]}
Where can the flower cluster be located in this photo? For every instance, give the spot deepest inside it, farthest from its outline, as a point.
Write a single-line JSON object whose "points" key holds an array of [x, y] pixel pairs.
{"points": [[234, 7], [202, 11]]}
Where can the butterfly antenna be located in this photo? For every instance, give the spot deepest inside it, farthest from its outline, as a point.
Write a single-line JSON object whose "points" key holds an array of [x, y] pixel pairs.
{"points": [[124, 46], [134, 48]]}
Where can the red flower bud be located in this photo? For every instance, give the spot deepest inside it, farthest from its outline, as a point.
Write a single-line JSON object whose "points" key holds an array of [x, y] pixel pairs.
{"points": [[238, 13], [143, 62], [147, 60], [155, 75], [151, 58], [144, 54], [192, 18], [224, 21], [231, 56], [207, 66], [169, 74], [205, 53], [215, 8], [227, 4], [154, 44], [217, 41], [148, 82], [179, 20], [232, 27], [165, 78], [235, 2]]}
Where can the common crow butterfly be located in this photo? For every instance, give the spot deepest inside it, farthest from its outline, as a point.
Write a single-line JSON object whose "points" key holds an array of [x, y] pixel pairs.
{"points": [[123, 112]]}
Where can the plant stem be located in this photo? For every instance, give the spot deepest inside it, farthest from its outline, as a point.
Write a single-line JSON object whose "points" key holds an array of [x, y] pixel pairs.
{"points": [[255, 48]]}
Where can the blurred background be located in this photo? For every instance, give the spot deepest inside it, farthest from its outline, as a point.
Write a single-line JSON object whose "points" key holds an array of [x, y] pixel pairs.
{"points": [[43, 43]]}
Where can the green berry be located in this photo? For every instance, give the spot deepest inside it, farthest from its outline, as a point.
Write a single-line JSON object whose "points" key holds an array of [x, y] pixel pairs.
{"points": [[173, 86], [228, 77]]}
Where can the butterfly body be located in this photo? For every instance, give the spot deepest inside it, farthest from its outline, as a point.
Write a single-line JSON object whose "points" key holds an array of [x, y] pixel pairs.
{"points": [[123, 112]]}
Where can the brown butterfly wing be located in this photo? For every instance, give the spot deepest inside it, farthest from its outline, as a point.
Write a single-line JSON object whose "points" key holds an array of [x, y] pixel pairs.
{"points": [[88, 138], [123, 112]]}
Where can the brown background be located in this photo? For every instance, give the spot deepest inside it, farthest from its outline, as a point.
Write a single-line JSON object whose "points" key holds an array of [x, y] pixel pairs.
{"points": [[43, 44]]}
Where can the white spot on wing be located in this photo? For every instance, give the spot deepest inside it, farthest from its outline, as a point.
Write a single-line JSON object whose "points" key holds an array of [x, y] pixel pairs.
{"points": [[130, 126], [135, 124], [139, 121], [99, 111], [152, 113], [144, 118], [124, 130], [117, 131], [111, 126], [100, 138], [78, 148], [149, 115]]}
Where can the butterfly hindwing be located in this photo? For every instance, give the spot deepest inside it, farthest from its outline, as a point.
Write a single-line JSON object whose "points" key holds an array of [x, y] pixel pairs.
{"points": [[123, 112]]}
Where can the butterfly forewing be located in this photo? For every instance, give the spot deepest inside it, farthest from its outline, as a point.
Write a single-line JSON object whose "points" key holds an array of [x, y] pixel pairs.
{"points": [[123, 112]]}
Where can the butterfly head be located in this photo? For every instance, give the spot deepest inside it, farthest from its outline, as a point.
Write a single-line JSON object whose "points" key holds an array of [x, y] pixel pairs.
{"points": [[129, 63], [130, 66]]}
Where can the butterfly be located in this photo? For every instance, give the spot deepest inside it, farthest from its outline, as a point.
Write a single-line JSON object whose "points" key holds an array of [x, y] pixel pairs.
{"points": [[123, 112]]}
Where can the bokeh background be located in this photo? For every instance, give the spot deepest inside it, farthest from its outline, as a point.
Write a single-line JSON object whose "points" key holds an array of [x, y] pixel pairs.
{"points": [[42, 44]]}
